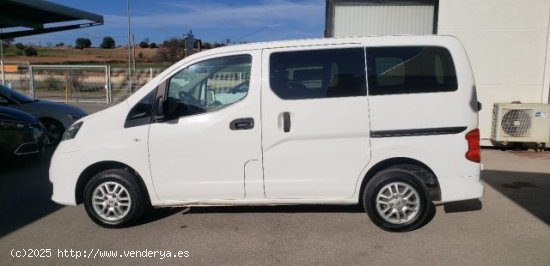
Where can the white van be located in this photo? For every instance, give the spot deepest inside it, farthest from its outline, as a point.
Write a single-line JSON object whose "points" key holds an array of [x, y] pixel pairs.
{"points": [[387, 122]]}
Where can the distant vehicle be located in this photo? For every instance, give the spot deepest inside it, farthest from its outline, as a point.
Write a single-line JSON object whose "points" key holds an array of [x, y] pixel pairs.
{"points": [[21, 134], [387, 122], [56, 117]]}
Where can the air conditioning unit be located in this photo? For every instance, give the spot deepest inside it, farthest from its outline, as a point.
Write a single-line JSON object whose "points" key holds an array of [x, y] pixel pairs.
{"points": [[521, 122]]}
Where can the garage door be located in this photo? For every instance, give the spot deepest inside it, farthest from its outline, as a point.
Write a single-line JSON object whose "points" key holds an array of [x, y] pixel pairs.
{"points": [[370, 18]]}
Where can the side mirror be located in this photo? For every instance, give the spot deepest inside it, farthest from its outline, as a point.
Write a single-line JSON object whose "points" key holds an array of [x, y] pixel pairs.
{"points": [[171, 109], [166, 109]]}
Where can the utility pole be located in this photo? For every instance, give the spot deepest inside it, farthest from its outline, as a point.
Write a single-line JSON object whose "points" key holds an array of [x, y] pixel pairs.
{"points": [[134, 53], [129, 50], [2, 60]]}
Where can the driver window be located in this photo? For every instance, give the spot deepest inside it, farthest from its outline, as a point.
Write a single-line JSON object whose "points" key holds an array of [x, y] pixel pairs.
{"points": [[211, 85]]}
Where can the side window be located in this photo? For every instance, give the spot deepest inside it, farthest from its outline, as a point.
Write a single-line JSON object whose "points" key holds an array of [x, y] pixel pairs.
{"points": [[411, 69], [318, 73], [141, 113], [211, 85]]}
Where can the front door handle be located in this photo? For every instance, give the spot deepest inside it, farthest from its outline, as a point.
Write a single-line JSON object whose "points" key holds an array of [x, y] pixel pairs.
{"points": [[242, 123], [286, 122]]}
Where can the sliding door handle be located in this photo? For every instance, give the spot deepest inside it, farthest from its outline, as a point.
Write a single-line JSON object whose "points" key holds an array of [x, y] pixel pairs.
{"points": [[286, 122]]}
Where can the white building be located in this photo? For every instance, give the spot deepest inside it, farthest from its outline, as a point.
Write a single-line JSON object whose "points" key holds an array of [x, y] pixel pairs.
{"points": [[507, 41]]}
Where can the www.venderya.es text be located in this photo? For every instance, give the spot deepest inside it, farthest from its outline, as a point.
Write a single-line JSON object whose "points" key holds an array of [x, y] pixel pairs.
{"points": [[97, 253]]}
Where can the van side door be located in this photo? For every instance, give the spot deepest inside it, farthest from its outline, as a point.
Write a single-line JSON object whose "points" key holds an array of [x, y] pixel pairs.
{"points": [[201, 154], [315, 121]]}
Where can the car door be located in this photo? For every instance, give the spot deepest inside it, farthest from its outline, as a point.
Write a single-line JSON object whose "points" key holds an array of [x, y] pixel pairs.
{"points": [[315, 122], [201, 155]]}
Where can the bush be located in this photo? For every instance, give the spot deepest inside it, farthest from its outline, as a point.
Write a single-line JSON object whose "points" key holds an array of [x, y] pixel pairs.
{"points": [[153, 45], [108, 43], [19, 46], [82, 43], [51, 83], [143, 44], [30, 51]]}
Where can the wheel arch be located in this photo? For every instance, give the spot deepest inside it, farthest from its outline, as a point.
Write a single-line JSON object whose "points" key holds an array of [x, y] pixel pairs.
{"points": [[427, 176], [98, 167], [53, 119]]}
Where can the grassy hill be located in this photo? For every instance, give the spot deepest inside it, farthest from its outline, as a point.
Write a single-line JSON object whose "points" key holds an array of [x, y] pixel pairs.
{"points": [[117, 57]]}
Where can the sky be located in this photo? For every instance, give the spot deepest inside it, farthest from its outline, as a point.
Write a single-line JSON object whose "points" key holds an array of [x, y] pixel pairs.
{"points": [[210, 20]]}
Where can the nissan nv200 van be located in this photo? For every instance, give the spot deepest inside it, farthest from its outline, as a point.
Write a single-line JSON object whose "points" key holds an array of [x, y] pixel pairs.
{"points": [[387, 122]]}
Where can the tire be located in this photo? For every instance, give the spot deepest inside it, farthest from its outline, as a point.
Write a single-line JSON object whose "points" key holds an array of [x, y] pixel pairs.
{"points": [[119, 199], [55, 130], [404, 211]]}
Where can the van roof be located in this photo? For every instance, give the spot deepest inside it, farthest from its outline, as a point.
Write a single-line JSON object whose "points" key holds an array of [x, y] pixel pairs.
{"points": [[330, 41]]}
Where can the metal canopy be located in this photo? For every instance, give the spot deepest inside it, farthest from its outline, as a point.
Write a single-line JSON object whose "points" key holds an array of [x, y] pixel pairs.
{"points": [[20, 18]]}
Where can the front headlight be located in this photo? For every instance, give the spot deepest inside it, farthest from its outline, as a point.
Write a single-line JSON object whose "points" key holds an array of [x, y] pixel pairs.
{"points": [[70, 133], [76, 116], [36, 132], [11, 125]]}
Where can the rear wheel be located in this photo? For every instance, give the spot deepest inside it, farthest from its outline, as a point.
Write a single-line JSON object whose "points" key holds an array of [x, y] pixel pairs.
{"points": [[113, 198], [396, 201]]}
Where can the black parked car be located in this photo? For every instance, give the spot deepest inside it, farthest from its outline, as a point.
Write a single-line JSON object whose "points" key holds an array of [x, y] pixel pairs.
{"points": [[21, 134]]}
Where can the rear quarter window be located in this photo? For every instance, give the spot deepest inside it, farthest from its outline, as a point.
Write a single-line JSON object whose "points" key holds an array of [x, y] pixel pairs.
{"points": [[410, 69]]}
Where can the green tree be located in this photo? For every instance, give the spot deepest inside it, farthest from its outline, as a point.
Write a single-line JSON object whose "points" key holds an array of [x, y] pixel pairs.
{"points": [[30, 51], [7, 42], [82, 43], [172, 51], [19, 46], [108, 43], [153, 45], [143, 44]]}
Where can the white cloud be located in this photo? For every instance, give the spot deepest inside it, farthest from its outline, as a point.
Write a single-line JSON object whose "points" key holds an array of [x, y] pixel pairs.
{"points": [[193, 14], [210, 20]]}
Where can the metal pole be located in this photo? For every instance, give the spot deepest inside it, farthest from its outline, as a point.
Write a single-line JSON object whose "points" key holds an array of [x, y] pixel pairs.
{"points": [[31, 76], [150, 73], [129, 50], [133, 54], [2, 61], [71, 83], [106, 84], [109, 85]]}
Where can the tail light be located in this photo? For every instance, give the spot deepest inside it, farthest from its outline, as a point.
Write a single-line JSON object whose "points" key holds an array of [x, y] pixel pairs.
{"points": [[473, 153]]}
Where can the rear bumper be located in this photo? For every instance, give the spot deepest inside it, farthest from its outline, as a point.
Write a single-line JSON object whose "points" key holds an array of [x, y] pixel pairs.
{"points": [[461, 188]]}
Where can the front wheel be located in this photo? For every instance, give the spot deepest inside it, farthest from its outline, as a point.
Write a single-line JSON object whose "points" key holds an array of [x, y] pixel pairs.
{"points": [[113, 198], [395, 201]]}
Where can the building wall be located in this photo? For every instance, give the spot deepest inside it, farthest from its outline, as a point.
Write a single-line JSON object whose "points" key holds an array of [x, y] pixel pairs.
{"points": [[365, 19], [507, 42]]}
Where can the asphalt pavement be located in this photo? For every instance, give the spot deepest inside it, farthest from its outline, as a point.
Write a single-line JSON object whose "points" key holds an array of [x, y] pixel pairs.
{"points": [[509, 226]]}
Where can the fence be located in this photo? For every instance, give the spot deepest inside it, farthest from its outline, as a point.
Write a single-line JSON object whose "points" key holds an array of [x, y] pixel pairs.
{"points": [[17, 75], [70, 83], [76, 83], [120, 78]]}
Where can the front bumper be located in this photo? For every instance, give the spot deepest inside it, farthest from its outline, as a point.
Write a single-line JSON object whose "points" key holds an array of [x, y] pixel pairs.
{"points": [[65, 169]]}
